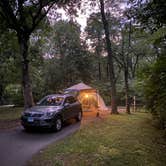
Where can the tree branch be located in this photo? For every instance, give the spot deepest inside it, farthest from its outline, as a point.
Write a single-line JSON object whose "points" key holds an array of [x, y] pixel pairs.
{"points": [[39, 15]]}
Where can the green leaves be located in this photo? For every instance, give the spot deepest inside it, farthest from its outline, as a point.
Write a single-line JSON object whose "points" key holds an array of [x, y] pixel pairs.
{"points": [[67, 62], [155, 88]]}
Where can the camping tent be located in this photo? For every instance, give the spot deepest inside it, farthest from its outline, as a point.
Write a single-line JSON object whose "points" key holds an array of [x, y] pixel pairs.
{"points": [[88, 96]]}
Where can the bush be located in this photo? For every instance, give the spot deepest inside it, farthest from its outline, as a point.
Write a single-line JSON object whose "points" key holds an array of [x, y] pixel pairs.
{"points": [[155, 89], [13, 94]]}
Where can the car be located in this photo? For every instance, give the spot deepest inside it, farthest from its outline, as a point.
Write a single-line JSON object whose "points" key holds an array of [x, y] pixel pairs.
{"points": [[51, 112]]}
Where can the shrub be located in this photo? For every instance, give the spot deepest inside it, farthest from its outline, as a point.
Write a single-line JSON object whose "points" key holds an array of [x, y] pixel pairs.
{"points": [[155, 89], [13, 94]]}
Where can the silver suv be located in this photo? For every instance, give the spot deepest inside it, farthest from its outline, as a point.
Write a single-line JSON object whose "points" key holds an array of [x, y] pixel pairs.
{"points": [[51, 112]]}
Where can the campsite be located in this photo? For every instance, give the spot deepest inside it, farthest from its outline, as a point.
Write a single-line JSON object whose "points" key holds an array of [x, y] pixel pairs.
{"points": [[83, 82], [89, 97]]}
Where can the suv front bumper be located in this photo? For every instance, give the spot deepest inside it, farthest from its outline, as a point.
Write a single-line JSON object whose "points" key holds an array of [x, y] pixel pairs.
{"points": [[37, 122]]}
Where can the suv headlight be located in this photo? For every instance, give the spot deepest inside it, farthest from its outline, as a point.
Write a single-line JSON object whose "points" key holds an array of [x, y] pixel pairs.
{"points": [[50, 114]]}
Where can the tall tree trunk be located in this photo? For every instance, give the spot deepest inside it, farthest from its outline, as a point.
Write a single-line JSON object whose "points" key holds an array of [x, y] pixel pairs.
{"points": [[99, 70], [126, 75], [110, 59], [98, 52], [107, 70], [1, 94], [26, 83]]}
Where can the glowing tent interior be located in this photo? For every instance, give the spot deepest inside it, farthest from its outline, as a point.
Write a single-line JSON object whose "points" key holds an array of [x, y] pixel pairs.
{"points": [[88, 96]]}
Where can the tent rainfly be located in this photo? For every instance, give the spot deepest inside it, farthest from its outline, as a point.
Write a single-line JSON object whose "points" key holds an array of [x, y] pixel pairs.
{"points": [[88, 96]]}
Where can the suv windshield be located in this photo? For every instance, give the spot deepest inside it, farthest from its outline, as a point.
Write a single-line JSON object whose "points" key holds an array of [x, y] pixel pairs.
{"points": [[51, 101]]}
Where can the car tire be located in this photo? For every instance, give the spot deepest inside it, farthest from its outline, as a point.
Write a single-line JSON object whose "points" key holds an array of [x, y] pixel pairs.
{"points": [[27, 129], [79, 117], [58, 124]]}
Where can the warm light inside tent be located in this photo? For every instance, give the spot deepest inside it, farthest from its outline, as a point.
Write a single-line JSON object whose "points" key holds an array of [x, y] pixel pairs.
{"points": [[86, 95]]}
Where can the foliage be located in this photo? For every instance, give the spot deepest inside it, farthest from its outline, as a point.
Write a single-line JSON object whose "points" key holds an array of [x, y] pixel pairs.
{"points": [[24, 17], [61, 56], [9, 70], [154, 79], [151, 15], [67, 61], [10, 74], [13, 94], [129, 49], [94, 30]]}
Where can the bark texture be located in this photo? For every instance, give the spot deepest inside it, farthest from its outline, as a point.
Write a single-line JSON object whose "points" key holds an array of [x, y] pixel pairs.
{"points": [[110, 59], [26, 83]]}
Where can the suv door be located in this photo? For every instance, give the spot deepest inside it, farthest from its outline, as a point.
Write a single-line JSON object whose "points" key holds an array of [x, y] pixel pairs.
{"points": [[69, 110]]}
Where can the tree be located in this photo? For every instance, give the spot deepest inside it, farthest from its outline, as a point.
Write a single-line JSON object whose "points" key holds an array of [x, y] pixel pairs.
{"points": [[151, 16], [131, 53], [70, 62], [10, 73], [153, 83], [127, 59], [125, 65], [8, 60], [110, 58], [23, 16], [94, 30]]}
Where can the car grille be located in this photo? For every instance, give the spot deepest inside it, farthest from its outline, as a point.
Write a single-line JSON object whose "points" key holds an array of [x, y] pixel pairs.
{"points": [[33, 114]]}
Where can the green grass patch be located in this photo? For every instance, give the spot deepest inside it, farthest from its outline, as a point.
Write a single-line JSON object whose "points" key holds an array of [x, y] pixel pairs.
{"points": [[118, 140], [12, 113]]}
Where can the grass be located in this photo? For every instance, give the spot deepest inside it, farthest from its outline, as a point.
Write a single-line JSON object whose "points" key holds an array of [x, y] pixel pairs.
{"points": [[118, 140], [10, 113]]}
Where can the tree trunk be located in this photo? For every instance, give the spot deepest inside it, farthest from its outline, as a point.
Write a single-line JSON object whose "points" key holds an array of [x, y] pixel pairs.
{"points": [[99, 71], [98, 51], [110, 59], [107, 70], [26, 84], [126, 73], [1, 94], [127, 91]]}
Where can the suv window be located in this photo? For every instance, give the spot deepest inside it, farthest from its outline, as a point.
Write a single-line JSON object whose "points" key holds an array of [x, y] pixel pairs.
{"points": [[51, 101], [70, 100]]}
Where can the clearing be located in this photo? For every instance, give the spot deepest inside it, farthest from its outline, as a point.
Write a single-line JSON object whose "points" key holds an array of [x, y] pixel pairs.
{"points": [[117, 140]]}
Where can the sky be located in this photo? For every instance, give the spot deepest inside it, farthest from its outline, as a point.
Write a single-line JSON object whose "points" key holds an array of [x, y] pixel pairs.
{"points": [[81, 19], [84, 14]]}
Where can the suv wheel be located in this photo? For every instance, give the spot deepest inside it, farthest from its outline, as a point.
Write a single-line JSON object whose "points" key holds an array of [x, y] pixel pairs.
{"points": [[58, 124], [27, 129], [79, 116]]}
